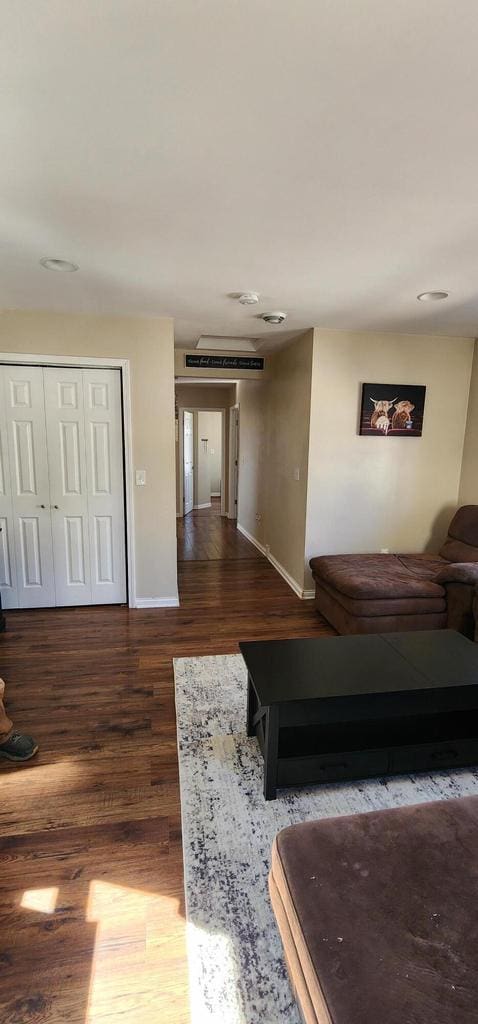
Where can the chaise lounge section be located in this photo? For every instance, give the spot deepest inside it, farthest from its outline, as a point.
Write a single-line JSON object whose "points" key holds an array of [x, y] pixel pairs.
{"points": [[374, 593]]}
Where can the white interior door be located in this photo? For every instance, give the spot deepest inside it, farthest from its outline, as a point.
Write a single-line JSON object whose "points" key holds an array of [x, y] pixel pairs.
{"points": [[62, 522], [8, 571], [104, 467], [188, 449], [65, 428], [24, 405]]}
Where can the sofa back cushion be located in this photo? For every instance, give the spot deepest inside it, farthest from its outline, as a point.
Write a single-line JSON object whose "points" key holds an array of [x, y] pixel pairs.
{"points": [[461, 544]]}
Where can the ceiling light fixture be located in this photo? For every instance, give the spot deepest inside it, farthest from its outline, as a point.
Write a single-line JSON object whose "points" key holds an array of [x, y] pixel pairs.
{"points": [[432, 296], [274, 318], [64, 266], [248, 298]]}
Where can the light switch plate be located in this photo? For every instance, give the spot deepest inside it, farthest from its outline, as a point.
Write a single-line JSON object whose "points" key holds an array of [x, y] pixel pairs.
{"points": [[140, 477]]}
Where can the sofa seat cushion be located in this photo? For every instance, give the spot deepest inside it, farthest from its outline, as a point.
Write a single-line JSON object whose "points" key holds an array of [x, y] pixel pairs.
{"points": [[380, 577], [377, 914], [410, 605]]}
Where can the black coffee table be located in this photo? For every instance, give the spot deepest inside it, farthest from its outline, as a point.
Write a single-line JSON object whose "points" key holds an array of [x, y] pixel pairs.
{"points": [[356, 706]]}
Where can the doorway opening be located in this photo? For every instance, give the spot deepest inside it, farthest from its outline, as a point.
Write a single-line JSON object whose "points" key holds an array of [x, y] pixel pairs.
{"points": [[202, 467], [207, 480], [209, 465]]}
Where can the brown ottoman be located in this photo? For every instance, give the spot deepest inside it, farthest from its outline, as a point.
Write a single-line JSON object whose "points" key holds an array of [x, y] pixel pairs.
{"points": [[378, 914]]}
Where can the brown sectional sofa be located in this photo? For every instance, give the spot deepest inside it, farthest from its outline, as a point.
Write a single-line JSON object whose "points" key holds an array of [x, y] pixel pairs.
{"points": [[377, 914], [374, 593]]}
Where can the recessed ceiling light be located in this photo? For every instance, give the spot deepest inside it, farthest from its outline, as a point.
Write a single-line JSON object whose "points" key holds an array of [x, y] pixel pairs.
{"points": [[432, 296], [248, 298], [64, 266]]}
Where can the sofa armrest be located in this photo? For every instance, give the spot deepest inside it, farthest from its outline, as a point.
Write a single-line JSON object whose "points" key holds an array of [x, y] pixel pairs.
{"points": [[458, 572]]}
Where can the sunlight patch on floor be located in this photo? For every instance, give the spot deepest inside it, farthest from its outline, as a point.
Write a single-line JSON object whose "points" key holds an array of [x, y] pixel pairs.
{"points": [[123, 983], [54, 776], [206, 946], [42, 900]]}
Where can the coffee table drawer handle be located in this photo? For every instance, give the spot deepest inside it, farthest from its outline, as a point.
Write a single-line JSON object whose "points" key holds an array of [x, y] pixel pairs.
{"points": [[333, 764], [442, 755]]}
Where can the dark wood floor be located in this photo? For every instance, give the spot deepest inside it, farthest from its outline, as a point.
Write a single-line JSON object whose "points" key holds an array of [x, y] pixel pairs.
{"points": [[204, 535], [91, 886]]}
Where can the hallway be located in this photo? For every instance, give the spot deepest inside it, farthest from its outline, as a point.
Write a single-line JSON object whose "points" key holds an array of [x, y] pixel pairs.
{"points": [[204, 535]]}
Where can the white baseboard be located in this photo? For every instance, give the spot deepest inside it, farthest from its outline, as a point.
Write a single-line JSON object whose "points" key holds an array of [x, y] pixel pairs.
{"points": [[293, 584], [157, 602], [215, 494], [305, 595], [207, 504], [260, 547]]}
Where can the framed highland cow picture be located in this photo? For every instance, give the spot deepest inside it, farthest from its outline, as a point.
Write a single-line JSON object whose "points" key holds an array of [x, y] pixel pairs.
{"points": [[392, 410]]}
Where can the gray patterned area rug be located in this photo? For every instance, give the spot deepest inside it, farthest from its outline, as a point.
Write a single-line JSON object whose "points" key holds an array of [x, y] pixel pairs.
{"points": [[237, 973]]}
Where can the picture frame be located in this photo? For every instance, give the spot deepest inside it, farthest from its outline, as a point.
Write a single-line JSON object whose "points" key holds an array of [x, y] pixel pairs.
{"points": [[392, 410]]}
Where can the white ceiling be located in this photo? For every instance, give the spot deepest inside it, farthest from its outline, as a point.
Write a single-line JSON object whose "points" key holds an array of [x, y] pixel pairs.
{"points": [[321, 152]]}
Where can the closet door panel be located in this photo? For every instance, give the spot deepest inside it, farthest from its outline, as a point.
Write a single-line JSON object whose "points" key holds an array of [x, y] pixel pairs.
{"points": [[104, 458], [65, 421], [8, 572], [24, 413]]}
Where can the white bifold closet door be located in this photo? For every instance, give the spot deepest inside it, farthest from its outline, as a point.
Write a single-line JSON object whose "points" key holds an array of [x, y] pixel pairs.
{"points": [[64, 461], [28, 575]]}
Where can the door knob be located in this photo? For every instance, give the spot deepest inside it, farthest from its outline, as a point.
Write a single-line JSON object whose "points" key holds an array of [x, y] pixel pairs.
{"points": [[54, 506], [41, 506]]}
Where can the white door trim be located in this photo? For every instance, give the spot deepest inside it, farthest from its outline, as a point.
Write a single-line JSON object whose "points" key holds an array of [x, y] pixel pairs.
{"points": [[20, 358]]}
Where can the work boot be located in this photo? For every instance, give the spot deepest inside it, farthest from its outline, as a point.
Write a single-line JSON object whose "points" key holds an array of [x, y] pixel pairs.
{"points": [[18, 747]]}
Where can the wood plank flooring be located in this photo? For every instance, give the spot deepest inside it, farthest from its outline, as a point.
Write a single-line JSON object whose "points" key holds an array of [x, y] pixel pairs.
{"points": [[91, 887], [204, 535]]}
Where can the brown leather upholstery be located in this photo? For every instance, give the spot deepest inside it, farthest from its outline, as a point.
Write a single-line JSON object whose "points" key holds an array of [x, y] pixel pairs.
{"points": [[463, 530], [377, 914], [367, 593], [347, 622], [375, 577], [394, 605]]}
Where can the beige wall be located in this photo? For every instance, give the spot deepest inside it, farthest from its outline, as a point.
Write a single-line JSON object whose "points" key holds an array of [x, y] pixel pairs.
{"points": [[368, 493], [200, 396], [469, 472], [274, 437], [252, 400], [149, 346], [202, 477], [288, 414], [210, 426]]}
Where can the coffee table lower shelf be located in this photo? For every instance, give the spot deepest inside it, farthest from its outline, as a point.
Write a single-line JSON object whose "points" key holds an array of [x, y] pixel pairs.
{"points": [[296, 756]]}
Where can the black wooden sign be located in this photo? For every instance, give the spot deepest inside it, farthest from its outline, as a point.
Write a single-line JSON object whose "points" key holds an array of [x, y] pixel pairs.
{"points": [[225, 362]]}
